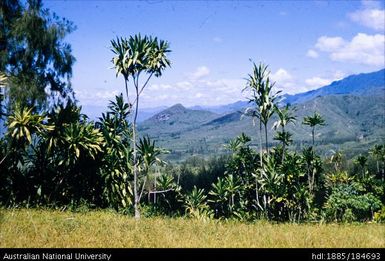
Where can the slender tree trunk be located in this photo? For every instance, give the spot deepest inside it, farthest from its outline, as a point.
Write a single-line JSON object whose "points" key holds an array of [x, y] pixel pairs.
{"points": [[378, 166], [156, 173], [283, 146], [267, 148], [126, 82], [136, 203], [260, 143]]}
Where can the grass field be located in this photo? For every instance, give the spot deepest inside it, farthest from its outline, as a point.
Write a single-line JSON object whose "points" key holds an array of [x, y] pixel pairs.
{"points": [[48, 228]]}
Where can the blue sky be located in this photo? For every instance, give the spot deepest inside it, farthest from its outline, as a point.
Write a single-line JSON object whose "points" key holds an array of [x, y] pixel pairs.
{"points": [[306, 44]]}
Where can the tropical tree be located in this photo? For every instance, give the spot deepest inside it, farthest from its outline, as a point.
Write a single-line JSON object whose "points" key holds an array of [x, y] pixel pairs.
{"points": [[148, 156], [313, 121], [33, 54], [313, 166], [378, 153], [116, 169], [285, 117], [270, 178], [361, 161], [262, 95], [219, 197], [135, 57]]}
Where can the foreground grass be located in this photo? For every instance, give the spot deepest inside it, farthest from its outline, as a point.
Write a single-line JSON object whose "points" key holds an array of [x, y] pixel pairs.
{"points": [[48, 228]]}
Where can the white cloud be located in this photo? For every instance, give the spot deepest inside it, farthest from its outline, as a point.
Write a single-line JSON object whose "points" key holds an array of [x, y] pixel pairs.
{"points": [[312, 54], [97, 97], [316, 82], [363, 48], [284, 81], [329, 44], [370, 17], [281, 76], [199, 95], [199, 73], [184, 85], [198, 92]]}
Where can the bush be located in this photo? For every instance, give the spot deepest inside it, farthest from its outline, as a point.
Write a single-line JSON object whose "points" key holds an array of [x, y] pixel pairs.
{"points": [[349, 202], [380, 215]]}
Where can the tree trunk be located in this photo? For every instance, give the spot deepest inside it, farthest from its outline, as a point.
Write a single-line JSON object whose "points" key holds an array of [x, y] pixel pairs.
{"points": [[136, 203], [283, 146], [257, 191], [260, 142], [156, 173], [125, 82], [267, 148]]}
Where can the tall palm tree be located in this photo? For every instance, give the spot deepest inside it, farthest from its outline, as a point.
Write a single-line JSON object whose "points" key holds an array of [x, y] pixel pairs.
{"points": [[138, 56], [313, 121], [285, 117], [262, 95]]}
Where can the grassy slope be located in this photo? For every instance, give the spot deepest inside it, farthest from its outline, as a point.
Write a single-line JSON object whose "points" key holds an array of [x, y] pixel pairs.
{"points": [[47, 228]]}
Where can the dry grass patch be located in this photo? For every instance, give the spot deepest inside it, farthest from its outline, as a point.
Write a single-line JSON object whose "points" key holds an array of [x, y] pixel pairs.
{"points": [[48, 228]]}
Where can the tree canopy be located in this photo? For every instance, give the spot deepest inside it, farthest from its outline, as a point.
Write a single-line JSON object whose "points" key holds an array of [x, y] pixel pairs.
{"points": [[33, 55]]}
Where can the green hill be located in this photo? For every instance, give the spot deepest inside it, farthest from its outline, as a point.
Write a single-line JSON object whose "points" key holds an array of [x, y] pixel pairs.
{"points": [[354, 110], [352, 123]]}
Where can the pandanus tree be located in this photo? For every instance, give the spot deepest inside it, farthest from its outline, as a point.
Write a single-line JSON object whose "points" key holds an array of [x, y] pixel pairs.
{"points": [[285, 117], [134, 57], [263, 96], [314, 120]]}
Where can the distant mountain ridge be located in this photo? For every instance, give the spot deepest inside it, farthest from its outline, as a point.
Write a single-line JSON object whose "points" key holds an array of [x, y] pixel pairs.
{"points": [[358, 84], [223, 109], [354, 110]]}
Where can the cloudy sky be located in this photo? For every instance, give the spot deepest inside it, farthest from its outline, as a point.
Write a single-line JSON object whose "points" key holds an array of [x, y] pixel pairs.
{"points": [[307, 44]]}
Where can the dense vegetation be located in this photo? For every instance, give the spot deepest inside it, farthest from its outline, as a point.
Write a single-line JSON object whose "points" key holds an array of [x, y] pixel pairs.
{"points": [[53, 155]]}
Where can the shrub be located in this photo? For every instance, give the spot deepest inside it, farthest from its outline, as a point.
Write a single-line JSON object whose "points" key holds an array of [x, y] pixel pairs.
{"points": [[349, 202]]}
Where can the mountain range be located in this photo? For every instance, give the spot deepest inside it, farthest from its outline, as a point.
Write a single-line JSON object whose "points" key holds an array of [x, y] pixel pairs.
{"points": [[354, 110]]}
